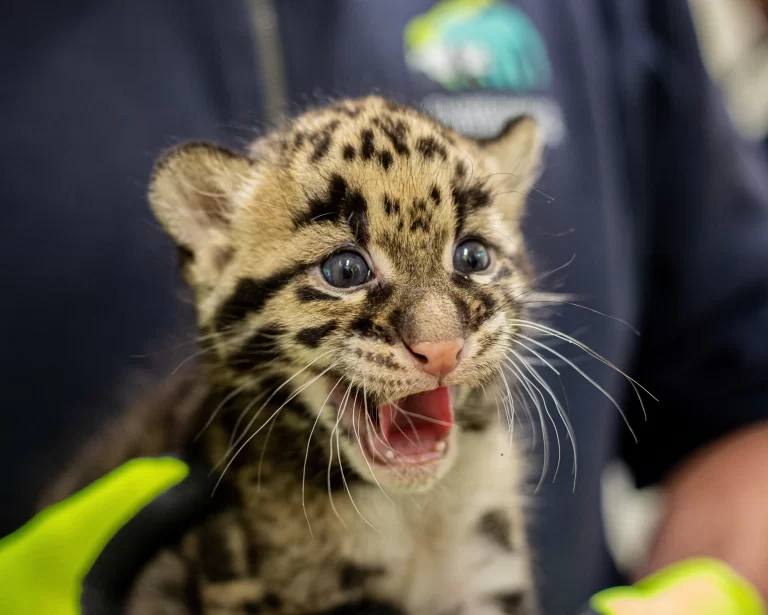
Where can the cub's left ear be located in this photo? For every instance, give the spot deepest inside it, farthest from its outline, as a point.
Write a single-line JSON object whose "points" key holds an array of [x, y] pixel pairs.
{"points": [[194, 193], [518, 150]]}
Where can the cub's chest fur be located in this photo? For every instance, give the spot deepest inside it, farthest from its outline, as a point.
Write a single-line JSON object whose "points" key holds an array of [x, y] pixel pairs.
{"points": [[458, 548]]}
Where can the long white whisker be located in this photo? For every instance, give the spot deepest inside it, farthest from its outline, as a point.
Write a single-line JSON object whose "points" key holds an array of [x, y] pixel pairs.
{"points": [[560, 410], [588, 379], [306, 456], [359, 441], [218, 409], [571, 340], [342, 408], [272, 416], [343, 477], [303, 369], [533, 387]]}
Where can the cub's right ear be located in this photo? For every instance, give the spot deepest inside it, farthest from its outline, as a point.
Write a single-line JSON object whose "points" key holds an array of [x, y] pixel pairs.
{"points": [[194, 193]]}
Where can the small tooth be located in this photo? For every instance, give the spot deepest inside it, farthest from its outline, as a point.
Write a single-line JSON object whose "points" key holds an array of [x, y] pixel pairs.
{"points": [[440, 446], [390, 454]]}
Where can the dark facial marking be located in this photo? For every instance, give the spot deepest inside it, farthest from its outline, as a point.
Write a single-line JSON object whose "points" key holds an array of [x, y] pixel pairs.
{"points": [[262, 347], [298, 140], [435, 195], [495, 525], [305, 294], [312, 336], [365, 327], [354, 576], [341, 204], [366, 149], [396, 131], [250, 296], [322, 145], [184, 256], [385, 158], [377, 296], [429, 148], [460, 170], [395, 319], [349, 152], [472, 423], [421, 217], [511, 603], [467, 199]]}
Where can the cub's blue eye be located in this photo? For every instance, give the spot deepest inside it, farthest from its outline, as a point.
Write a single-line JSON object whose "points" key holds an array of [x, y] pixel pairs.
{"points": [[471, 257], [346, 270]]}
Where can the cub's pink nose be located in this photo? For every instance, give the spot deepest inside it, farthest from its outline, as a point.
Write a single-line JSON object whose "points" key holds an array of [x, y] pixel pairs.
{"points": [[438, 358]]}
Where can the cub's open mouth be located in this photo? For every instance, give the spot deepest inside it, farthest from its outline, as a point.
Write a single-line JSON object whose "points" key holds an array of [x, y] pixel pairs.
{"points": [[413, 430]]}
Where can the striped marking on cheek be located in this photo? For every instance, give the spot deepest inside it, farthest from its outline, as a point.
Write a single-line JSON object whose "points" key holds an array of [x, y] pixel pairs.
{"points": [[251, 295], [262, 347], [313, 336]]}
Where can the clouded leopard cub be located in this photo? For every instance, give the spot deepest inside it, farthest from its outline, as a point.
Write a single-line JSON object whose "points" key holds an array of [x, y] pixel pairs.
{"points": [[355, 275]]}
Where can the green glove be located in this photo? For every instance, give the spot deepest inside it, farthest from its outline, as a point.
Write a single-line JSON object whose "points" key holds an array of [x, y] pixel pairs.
{"points": [[692, 587], [43, 564]]}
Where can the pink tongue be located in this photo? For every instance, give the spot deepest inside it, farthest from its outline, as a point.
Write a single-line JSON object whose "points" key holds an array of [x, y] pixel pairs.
{"points": [[426, 418]]}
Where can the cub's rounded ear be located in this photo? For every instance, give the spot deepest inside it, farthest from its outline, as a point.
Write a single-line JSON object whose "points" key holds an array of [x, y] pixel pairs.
{"points": [[518, 149], [193, 192]]}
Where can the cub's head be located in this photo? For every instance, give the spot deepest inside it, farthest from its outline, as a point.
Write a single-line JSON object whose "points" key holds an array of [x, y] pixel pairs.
{"points": [[366, 262]]}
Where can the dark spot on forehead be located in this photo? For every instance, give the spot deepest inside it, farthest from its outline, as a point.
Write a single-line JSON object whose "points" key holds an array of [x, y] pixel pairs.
{"points": [[435, 195], [430, 147], [322, 145], [349, 152], [389, 206], [385, 158], [396, 131], [298, 140], [460, 170], [313, 336], [366, 149], [341, 205]]}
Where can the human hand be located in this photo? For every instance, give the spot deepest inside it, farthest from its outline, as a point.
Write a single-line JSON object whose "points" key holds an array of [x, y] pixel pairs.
{"points": [[717, 506]]}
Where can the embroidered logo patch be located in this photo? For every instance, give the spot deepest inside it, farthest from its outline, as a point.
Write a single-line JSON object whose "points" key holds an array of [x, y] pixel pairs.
{"points": [[477, 44]]}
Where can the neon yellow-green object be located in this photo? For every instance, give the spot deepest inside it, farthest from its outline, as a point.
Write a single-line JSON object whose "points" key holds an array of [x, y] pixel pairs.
{"points": [[43, 564], [692, 587]]}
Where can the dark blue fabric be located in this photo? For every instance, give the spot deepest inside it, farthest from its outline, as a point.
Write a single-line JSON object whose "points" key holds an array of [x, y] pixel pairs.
{"points": [[661, 206]]}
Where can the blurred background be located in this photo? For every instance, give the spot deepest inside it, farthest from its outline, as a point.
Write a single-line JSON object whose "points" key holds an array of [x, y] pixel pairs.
{"points": [[92, 311]]}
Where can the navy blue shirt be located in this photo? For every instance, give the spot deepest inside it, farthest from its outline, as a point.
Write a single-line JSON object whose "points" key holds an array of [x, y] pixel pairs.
{"points": [[653, 208]]}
